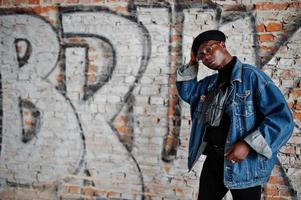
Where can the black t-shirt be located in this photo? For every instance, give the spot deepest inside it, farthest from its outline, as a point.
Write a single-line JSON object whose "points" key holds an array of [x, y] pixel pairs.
{"points": [[217, 135]]}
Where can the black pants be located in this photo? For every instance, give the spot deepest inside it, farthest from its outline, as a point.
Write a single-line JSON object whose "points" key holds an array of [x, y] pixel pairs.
{"points": [[212, 185]]}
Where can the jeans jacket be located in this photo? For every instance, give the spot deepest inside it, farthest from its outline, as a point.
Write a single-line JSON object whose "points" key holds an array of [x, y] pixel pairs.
{"points": [[259, 115]]}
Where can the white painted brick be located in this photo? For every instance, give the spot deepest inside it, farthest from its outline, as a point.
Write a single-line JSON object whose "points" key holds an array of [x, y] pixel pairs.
{"points": [[156, 100], [114, 99]]}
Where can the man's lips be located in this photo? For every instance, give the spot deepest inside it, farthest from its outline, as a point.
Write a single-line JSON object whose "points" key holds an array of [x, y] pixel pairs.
{"points": [[210, 62]]}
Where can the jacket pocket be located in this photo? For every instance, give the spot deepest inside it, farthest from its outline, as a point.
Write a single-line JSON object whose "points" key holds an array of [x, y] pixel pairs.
{"points": [[242, 171], [243, 104], [244, 111], [261, 168]]}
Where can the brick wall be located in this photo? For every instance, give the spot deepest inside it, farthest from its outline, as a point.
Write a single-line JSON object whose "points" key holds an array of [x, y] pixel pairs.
{"points": [[89, 108]]}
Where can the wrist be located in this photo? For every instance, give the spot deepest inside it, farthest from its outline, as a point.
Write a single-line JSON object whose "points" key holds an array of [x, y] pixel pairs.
{"points": [[246, 144]]}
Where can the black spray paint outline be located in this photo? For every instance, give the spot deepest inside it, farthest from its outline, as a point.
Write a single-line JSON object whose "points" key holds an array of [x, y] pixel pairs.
{"points": [[50, 72], [63, 92], [56, 31], [95, 87], [24, 59], [145, 58], [172, 126], [23, 103], [5, 12]]}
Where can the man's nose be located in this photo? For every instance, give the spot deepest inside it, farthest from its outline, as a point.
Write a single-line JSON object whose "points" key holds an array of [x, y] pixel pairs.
{"points": [[206, 58]]}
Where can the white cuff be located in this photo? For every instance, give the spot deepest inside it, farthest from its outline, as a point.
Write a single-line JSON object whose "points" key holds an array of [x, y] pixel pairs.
{"points": [[259, 144], [186, 72]]}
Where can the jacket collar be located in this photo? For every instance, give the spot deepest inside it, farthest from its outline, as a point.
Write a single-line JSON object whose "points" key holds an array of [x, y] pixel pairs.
{"points": [[237, 71]]}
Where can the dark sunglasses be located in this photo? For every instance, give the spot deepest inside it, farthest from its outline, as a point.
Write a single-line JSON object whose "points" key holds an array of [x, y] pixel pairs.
{"points": [[207, 50]]}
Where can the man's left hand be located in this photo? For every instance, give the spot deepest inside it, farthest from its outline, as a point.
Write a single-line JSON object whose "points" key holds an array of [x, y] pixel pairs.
{"points": [[238, 152]]}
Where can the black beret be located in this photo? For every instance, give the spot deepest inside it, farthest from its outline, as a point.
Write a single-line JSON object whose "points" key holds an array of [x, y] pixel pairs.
{"points": [[206, 36]]}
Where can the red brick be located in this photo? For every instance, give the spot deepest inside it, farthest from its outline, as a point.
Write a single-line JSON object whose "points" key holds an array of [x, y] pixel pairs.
{"points": [[288, 150], [267, 49], [26, 113], [121, 129], [72, 1], [58, 1], [176, 37], [297, 116], [295, 5], [91, 69], [296, 92], [272, 191], [260, 28], [266, 38], [120, 8], [122, 119], [277, 180], [42, 10], [100, 192], [173, 90], [287, 74], [20, 2], [60, 78], [88, 191], [5, 2], [171, 111], [179, 190], [28, 122], [170, 140], [9, 194], [171, 100], [92, 78], [167, 167], [271, 6], [74, 189], [291, 105], [34, 2], [75, 40], [97, 1], [297, 106], [113, 194], [273, 27]]}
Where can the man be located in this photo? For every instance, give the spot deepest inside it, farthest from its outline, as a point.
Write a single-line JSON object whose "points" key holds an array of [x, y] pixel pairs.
{"points": [[240, 120]]}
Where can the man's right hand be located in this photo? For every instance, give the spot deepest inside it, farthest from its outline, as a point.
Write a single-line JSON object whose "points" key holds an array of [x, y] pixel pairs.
{"points": [[192, 58]]}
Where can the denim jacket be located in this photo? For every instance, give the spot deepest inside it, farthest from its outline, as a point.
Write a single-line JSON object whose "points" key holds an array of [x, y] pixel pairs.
{"points": [[258, 113]]}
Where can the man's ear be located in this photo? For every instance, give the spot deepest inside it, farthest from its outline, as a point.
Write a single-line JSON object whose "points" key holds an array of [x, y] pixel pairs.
{"points": [[223, 44]]}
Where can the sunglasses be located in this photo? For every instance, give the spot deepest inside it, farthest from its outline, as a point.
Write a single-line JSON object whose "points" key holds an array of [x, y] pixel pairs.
{"points": [[207, 50]]}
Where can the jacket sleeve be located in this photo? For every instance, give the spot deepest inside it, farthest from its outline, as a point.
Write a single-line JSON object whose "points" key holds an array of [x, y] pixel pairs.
{"points": [[186, 81], [277, 125]]}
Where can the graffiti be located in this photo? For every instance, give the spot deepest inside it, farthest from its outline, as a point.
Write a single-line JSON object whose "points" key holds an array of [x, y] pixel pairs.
{"points": [[78, 122], [36, 131], [19, 44], [31, 118], [68, 94], [95, 80], [100, 34]]}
